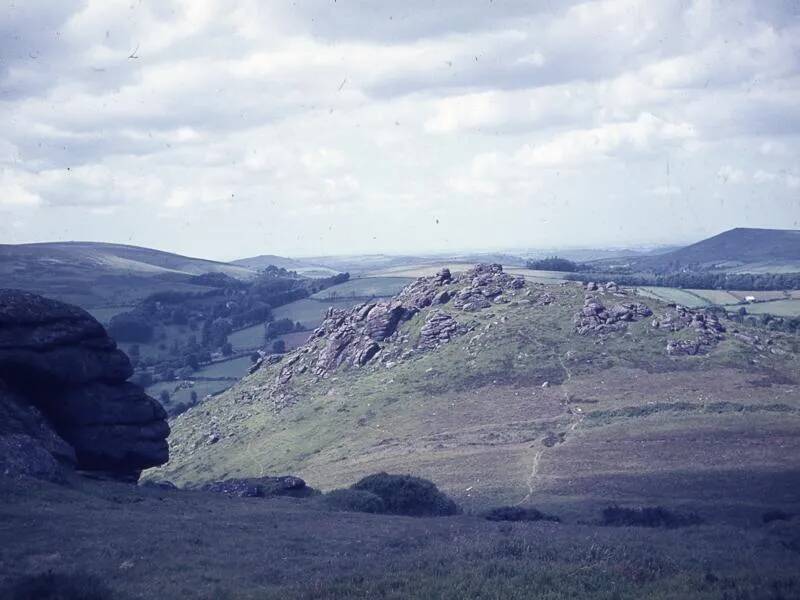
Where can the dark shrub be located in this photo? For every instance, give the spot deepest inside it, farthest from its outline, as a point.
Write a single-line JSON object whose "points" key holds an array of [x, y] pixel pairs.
{"points": [[57, 586], [648, 516], [775, 515], [408, 495], [517, 513], [353, 501]]}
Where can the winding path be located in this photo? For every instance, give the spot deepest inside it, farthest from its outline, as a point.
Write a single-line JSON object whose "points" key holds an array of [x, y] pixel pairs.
{"points": [[537, 457]]}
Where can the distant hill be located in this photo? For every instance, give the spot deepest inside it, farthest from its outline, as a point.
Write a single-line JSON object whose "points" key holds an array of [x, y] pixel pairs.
{"points": [[760, 250], [306, 268], [93, 274]]}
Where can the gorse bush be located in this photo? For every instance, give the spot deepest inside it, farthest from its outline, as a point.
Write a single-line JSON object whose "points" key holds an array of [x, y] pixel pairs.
{"points": [[57, 586], [518, 513], [353, 501], [408, 495], [648, 516]]}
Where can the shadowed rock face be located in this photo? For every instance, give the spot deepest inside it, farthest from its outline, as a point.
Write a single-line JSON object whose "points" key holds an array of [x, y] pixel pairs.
{"points": [[63, 381]]}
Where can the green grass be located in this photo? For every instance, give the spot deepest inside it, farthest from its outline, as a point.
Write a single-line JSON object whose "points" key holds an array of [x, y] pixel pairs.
{"points": [[781, 308], [366, 287], [250, 338], [676, 295], [235, 368], [222, 374], [718, 296]]}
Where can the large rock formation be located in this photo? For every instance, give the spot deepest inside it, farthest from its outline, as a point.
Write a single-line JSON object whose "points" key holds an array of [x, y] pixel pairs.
{"points": [[370, 334], [594, 317], [64, 395], [705, 330]]}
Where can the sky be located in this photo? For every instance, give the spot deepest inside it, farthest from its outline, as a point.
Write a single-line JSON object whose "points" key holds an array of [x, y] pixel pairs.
{"points": [[225, 129]]}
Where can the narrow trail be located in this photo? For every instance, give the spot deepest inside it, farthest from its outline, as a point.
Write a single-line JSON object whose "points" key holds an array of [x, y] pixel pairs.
{"points": [[577, 417]]}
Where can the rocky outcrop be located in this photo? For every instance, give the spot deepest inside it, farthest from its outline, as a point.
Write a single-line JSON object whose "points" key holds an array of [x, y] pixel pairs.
{"points": [[262, 487], [704, 328], [439, 328], [595, 318], [64, 387], [371, 333]]}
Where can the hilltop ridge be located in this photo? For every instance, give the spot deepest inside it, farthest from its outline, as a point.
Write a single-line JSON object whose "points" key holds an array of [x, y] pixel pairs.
{"points": [[735, 247]]}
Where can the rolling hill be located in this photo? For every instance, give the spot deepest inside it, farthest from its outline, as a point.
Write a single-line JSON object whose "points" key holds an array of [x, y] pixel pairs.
{"points": [[302, 267], [509, 392], [94, 274], [742, 249]]}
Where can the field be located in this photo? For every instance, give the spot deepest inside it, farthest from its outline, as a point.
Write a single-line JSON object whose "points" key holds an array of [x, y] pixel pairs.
{"points": [[366, 287], [147, 543], [250, 338], [678, 296], [781, 308], [208, 380], [310, 312], [718, 296]]}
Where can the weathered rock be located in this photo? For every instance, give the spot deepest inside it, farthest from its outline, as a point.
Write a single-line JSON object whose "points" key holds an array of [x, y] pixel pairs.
{"points": [[439, 328], [57, 361], [706, 326], [103, 404], [594, 317], [17, 417], [262, 487], [123, 448], [24, 456]]}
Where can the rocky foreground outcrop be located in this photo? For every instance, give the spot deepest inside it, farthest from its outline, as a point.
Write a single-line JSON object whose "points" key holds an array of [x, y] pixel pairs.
{"points": [[64, 398]]}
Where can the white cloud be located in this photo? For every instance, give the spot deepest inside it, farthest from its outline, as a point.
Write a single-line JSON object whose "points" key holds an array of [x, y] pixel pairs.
{"points": [[264, 119], [729, 174], [645, 134], [666, 190], [762, 176]]}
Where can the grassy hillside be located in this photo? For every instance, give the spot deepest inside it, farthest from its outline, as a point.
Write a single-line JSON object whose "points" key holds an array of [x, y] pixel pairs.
{"points": [[103, 275], [766, 250], [521, 409]]}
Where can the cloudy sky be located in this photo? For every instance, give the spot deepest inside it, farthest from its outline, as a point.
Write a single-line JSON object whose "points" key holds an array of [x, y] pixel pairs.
{"points": [[226, 129]]}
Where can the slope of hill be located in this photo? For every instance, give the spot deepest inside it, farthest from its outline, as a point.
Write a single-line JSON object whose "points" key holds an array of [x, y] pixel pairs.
{"points": [[305, 268], [740, 247], [97, 274], [505, 391]]}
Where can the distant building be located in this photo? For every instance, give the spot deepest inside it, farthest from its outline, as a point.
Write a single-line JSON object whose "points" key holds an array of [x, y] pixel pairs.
{"points": [[749, 298]]}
